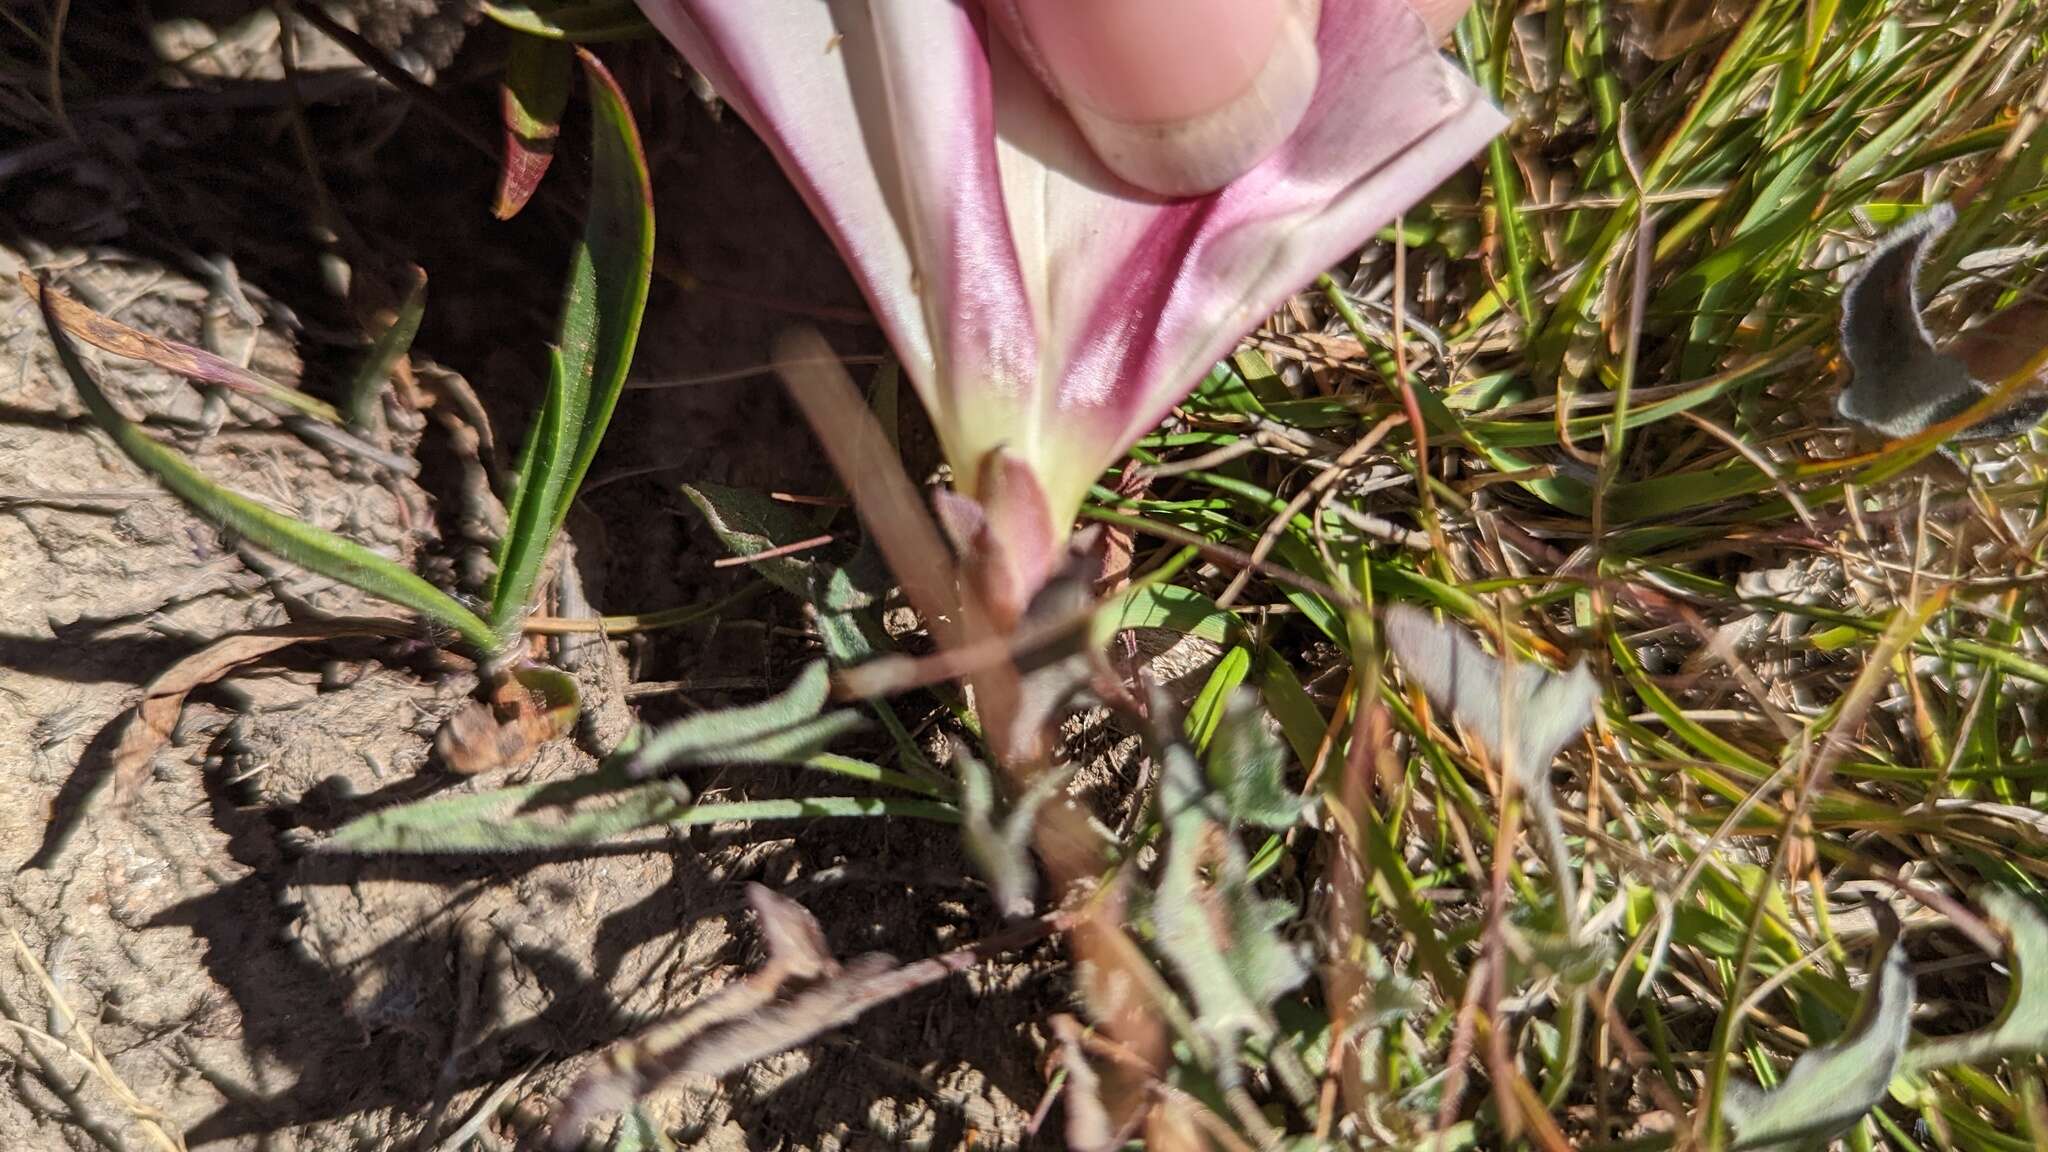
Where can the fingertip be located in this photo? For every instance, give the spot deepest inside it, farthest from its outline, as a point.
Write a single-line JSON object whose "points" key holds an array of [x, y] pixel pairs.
{"points": [[1178, 97]]}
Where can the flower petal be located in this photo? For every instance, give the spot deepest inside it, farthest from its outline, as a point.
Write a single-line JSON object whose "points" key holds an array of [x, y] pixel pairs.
{"points": [[806, 74], [935, 68], [1137, 296]]}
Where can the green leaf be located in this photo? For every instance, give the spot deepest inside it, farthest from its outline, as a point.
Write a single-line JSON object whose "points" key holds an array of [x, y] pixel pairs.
{"points": [[1223, 682], [601, 313], [1248, 765], [788, 728], [266, 528], [536, 89], [2022, 1026], [1829, 1089], [638, 1133], [588, 22], [392, 343], [1002, 849], [749, 523], [584, 811], [1218, 934]]}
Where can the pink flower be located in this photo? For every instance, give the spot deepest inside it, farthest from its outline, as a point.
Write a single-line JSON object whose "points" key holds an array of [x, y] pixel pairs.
{"points": [[1048, 312]]}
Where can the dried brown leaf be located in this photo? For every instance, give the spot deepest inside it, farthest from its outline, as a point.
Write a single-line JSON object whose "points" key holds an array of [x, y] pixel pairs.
{"points": [[110, 335], [155, 718]]}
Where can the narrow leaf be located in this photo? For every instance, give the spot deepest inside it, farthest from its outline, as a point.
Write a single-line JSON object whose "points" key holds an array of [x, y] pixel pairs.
{"points": [[266, 528], [180, 359], [393, 342], [535, 90], [600, 325], [590, 22], [790, 727]]}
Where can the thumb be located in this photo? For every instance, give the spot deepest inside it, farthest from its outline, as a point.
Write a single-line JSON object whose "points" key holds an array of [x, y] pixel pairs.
{"points": [[1176, 96]]}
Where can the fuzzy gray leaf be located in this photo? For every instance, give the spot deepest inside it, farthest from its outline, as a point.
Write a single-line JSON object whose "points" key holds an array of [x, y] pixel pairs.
{"points": [[790, 727], [1458, 676], [749, 523], [2021, 1029], [526, 818], [1828, 1089], [1901, 381], [1215, 930], [1002, 848], [1248, 764], [1547, 710]]}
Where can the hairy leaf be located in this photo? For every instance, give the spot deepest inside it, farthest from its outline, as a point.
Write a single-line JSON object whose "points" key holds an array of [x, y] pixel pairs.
{"points": [[749, 523], [1545, 709], [1247, 763], [1219, 935], [1001, 848], [1901, 381], [1829, 1089], [2022, 1025], [787, 728]]}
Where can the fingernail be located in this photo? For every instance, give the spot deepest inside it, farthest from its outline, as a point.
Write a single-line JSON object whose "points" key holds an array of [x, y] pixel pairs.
{"points": [[1178, 96]]}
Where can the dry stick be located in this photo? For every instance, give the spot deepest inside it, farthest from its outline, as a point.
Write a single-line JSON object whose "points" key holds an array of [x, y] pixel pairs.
{"points": [[1761, 462], [775, 553], [85, 1050], [731, 375], [1440, 548]]}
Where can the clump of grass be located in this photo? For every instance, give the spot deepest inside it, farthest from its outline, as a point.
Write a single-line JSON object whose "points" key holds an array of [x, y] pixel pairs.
{"points": [[1614, 353]]}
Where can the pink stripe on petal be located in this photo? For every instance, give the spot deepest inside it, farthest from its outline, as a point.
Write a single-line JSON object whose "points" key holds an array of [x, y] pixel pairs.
{"points": [[935, 68]]}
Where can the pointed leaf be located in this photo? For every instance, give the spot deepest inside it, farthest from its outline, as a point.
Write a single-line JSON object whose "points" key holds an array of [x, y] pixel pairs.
{"points": [[584, 22], [1218, 934], [1901, 382], [395, 341], [110, 335], [266, 528], [601, 312], [535, 90], [787, 728]]}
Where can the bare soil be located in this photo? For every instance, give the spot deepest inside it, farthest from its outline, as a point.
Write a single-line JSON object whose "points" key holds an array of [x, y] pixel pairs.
{"points": [[259, 995]]}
